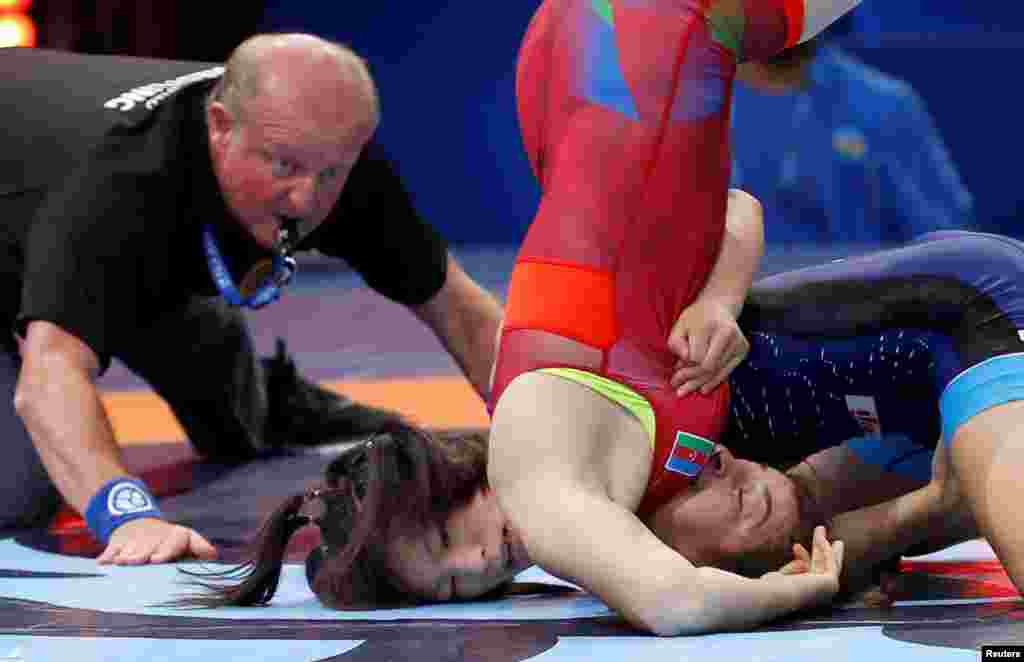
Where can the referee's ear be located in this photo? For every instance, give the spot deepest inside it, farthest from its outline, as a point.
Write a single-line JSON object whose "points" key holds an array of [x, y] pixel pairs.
{"points": [[219, 123]]}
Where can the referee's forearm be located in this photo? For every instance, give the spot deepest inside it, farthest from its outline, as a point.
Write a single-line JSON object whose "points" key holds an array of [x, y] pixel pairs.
{"points": [[465, 317], [64, 415]]}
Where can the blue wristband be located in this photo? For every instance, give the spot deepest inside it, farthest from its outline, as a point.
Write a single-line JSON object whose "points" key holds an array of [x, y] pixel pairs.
{"points": [[119, 500]]}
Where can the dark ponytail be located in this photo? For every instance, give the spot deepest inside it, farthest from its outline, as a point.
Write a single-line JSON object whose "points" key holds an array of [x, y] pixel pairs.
{"points": [[257, 578], [404, 479]]}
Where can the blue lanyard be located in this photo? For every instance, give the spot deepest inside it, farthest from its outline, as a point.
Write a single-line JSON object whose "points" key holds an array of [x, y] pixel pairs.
{"points": [[282, 269]]}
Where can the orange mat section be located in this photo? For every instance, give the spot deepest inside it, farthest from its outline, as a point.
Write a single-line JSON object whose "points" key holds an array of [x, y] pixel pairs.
{"points": [[140, 417]]}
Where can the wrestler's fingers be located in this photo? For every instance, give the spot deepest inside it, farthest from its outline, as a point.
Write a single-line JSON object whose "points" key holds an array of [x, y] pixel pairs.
{"points": [[740, 347], [705, 377], [718, 347], [688, 379], [821, 555], [699, 343], [200, 547], [794, 567], [693, 386], [720, 375], [838, 551], [679, 345], [684, 371]]}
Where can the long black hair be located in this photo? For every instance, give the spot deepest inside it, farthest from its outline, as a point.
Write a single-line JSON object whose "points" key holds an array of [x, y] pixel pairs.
{"points": [[403, 479]]}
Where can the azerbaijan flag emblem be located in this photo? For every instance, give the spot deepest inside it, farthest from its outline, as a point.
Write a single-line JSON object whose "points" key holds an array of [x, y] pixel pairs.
{"points": [[689, 454]]}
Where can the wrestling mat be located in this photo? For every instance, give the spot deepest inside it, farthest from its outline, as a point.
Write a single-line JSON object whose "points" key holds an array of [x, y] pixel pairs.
{"points": [[57, 604]]}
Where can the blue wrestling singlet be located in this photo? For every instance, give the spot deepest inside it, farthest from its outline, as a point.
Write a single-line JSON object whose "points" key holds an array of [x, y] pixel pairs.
{"points": [[903, 345]]}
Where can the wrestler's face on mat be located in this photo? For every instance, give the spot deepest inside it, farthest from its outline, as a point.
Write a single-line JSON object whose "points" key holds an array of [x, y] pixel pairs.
{"points": [[739, 516], [474, 553], [287, 151]]}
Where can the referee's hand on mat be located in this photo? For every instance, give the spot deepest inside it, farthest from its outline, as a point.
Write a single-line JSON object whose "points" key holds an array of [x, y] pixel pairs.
{"points": [[152, 540]]}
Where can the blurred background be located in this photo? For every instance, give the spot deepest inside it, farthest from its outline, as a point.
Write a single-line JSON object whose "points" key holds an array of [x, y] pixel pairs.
{"points": [[446, 69]]}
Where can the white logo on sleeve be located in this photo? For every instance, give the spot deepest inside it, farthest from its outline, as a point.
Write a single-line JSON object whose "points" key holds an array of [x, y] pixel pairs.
{"points": [[865, 412], [151, 95], [127, 498]]}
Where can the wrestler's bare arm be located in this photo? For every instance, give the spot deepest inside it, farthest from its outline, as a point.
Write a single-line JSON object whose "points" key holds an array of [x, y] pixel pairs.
{"points": [[705, 336], [880, 532], [840, 481], [879, 523], [742, 249], [551, 474]]}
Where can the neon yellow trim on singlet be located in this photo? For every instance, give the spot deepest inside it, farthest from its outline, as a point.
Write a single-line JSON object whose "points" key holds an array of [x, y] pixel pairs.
{"points": [[618, 393]]}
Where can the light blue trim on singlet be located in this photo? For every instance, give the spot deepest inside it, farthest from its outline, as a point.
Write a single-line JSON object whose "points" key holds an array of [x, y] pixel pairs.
{"points": [[894, 453], [603, 83], [601, 73], [990, 383]]}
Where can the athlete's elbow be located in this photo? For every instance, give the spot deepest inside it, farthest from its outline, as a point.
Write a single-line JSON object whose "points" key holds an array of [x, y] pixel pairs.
{"points": [[703, 605], [672, 616], [31, 405], [42, 385], [29, 398], [664, 627], [653, 623]]}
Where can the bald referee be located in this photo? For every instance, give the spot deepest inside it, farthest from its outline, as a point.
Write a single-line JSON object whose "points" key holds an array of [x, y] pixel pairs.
{"points": [[143, 204]]}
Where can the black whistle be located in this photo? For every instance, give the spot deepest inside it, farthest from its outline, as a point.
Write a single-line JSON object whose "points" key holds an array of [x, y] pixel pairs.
{"points": [[287, 237]]}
